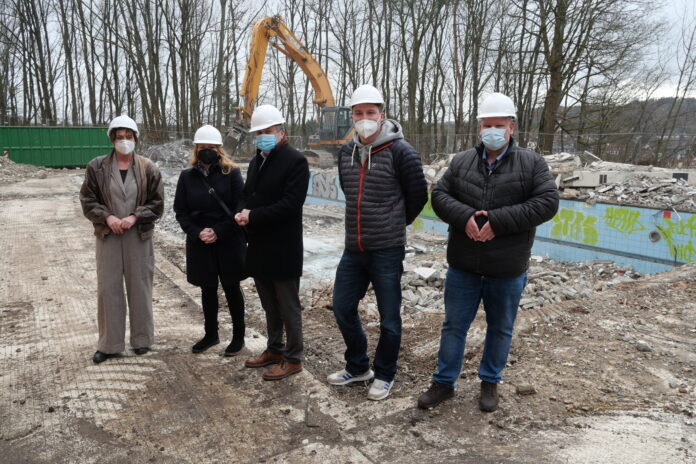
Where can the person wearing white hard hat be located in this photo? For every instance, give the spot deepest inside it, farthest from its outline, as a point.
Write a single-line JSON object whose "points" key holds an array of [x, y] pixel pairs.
{"points": [[207, 196], [493, 197], [382, 178], [271, 212], [123, 195]]}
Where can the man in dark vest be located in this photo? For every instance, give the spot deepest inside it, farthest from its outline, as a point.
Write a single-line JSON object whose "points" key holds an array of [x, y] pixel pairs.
{"points": [[274, 192], [385, 189], [492, 196]]}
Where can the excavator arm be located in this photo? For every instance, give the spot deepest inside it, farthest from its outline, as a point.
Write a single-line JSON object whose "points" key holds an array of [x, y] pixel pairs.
{"points": [[288, 44]]}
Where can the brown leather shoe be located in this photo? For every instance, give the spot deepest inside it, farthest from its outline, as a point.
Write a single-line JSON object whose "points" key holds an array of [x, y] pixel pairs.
{"points": [[282, 370], [264, 359]]}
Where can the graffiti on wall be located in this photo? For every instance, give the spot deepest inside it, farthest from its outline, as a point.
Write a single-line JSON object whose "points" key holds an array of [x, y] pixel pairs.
{"points": [[576, 226], [584, 227], [679, 237], [624, 220], [325, 185]]}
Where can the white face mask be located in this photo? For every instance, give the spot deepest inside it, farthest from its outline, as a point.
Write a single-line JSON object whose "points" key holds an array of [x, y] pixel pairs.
{"points": [[125, 147], [366, 127]]}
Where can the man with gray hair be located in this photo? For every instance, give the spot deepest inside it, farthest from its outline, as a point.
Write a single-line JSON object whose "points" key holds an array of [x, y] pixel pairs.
{"points": [[492, 196]]}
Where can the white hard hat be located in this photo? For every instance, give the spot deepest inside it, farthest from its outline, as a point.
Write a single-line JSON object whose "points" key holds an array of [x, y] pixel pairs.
{"points": [[265, 116], [366, 94], [122, 122], [208, 134], [496, 105]]}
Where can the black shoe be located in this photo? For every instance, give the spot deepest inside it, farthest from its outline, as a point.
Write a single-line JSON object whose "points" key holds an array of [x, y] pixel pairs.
{"points": [[141, 350], [488, 402], [235, 346], [204, 343], [100, 357], [436, 394]]}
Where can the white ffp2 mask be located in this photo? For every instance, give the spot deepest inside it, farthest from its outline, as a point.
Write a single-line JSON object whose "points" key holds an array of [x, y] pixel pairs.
{"points": [[366, 127], [125, 147]]}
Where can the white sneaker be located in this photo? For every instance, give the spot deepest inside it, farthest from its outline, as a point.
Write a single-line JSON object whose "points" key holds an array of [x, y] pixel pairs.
{"points": [[379, 390], [343, 377]]}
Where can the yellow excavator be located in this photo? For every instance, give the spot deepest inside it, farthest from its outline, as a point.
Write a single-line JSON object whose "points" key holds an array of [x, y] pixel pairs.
{"points": [[335, 126]]}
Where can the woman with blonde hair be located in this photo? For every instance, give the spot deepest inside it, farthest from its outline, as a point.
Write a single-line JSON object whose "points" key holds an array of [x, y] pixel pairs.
{"points": [[206, 199]]}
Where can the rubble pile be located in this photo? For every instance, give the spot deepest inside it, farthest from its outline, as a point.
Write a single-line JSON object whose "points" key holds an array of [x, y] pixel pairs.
{"points": [[168, 220], [435, 171], [640, 191], [549, 281], [11, 171], [646, 186], [174, 155]]}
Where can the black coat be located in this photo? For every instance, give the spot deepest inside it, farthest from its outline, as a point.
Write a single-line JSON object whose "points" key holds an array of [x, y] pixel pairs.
{"points": [[195, 210], [519, 195], [274, 193]]}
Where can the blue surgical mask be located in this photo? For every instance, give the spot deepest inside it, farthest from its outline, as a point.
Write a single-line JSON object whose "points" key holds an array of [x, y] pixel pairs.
{"points": [[266, 142], [493, 138]]}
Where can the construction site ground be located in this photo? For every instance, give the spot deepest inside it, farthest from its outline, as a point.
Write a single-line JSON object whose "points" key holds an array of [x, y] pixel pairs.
{"points": [[605, 378]]}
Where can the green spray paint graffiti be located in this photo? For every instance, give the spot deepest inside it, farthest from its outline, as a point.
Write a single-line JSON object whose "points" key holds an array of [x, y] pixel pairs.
{"points": [[672, 231], [624, 220], [575, 226]]}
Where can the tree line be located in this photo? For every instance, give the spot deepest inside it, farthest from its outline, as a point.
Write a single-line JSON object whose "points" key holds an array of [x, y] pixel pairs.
{"points": [[571, 66]]}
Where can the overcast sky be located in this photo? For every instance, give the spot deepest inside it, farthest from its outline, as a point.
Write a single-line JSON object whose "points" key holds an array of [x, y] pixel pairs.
{"points": [[674, 13]]}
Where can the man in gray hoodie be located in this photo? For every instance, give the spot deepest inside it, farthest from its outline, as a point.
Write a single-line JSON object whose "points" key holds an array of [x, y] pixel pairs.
{"points": [[382, 178]]}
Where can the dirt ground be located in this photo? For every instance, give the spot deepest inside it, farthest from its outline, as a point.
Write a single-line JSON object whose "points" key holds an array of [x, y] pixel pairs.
{"points": [[611, 377]]}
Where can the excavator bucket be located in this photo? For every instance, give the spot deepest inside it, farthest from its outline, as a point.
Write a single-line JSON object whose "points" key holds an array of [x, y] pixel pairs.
{"points": [[233, 138]]}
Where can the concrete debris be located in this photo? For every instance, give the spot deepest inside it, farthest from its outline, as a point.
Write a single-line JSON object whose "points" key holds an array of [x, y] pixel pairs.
{"points": [[524, 390], [425, 272], [12, 172], [170, 155], [643, 346]]}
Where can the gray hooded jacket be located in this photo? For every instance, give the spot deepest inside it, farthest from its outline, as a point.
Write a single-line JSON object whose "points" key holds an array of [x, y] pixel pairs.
{"points": [[384, 186]]}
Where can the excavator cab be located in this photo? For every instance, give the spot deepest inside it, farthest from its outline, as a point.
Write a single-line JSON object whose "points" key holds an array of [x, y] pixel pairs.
{"points": [[335, 124], [335, 129]]}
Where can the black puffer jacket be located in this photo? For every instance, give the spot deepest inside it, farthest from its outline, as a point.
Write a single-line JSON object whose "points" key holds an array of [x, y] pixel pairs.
{"points": [[519, 195], [384, 193]]}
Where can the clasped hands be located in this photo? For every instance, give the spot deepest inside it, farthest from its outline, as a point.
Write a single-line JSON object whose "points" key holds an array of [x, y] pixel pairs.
{"points": [[207, 235], [479, 235], [242, 217], [119, 226]]}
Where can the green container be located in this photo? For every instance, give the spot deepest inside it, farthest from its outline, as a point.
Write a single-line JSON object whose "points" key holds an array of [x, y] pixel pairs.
{"points": [[53, 146]]}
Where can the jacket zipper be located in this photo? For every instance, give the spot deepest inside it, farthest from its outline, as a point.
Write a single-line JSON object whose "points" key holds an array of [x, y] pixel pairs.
{"points": [[360, 192], [360, 188]]}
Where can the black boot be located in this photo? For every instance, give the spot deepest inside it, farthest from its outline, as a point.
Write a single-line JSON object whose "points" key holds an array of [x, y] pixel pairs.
{"points": [[489, 396], [237, 342], [205, 343], [210, 316], [235, 302], [436, 394]]}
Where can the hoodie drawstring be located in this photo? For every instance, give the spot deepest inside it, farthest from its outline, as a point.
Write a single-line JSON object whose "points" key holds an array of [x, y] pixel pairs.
{"points": [[352, 155], [369, 157]]}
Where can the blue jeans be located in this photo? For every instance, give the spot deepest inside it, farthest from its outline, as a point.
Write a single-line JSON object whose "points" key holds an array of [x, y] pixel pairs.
{"points": [[463, 293], [355, 272]]}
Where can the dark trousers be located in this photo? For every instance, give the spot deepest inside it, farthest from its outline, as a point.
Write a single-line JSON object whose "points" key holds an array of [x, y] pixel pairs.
{"points": [[235, 302], [281, 302], [382, 268]]}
